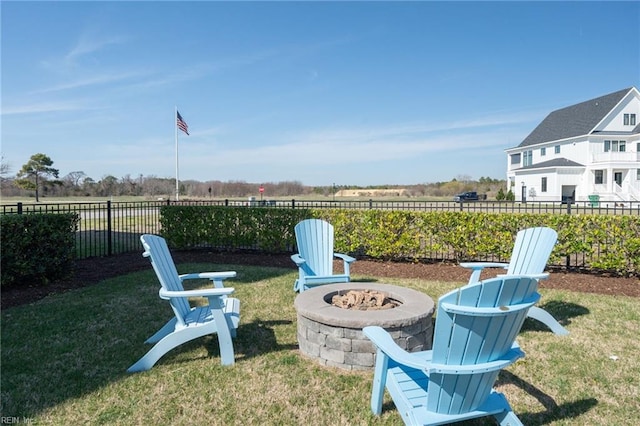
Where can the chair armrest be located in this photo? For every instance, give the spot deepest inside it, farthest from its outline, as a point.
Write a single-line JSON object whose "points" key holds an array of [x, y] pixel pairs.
{"points": [[507, 359], [298, 260], [384, 342], [483, 312], [344, 257], [209, 292], [477, 268], [481, 265], [216, 278], [542, 276], [209, 275]]}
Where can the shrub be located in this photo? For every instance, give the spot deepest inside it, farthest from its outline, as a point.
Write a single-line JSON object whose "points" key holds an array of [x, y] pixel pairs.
{"points": [[598, 242], [37, 248]]}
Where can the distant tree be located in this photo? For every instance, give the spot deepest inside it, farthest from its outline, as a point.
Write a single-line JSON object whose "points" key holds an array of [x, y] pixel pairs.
{"points": [[35, 173], [72, 182], [108, 185], [510, 196], [464, 178], [88, 186], [500, 195], [75, 179], [5, 168]]}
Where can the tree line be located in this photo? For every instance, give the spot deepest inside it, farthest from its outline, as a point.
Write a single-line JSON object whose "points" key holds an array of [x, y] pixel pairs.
{"points": [[38, 178]]}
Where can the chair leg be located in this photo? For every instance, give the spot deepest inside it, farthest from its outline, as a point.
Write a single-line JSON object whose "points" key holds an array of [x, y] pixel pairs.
{"points": [[379, 382], [167, 343], [225, 342], [508, 418], [546, 318], [164, 331]]}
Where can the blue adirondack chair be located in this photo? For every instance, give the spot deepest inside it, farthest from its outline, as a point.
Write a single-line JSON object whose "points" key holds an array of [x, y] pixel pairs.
{"points": [[220, 316], [314, 239], [474, 338], [530, 254]]}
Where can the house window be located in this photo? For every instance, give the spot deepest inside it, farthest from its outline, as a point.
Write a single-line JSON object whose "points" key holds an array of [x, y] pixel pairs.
{"points": [[557, 149], [527, 158], [515, 159], [615, 146], [599, 177], [543, 152], [637, 174], [629, 119], [543, 185]]}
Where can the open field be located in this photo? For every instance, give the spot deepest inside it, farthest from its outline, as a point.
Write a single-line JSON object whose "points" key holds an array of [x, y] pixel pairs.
{"points": [[353, 196]]}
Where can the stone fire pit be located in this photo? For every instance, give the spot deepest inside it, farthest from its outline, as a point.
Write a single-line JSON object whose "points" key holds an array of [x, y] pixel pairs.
{"points": [[333, 336]]}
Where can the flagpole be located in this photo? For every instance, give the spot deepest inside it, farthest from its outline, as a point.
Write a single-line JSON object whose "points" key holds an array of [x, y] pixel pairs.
{"points": [[175, 125]]}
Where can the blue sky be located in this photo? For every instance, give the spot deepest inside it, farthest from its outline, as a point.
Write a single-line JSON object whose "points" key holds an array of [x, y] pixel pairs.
{"points": [[345, 93]]}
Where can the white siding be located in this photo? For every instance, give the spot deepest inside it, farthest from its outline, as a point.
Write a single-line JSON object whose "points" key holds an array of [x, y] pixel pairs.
{"points": [[588, 151]]}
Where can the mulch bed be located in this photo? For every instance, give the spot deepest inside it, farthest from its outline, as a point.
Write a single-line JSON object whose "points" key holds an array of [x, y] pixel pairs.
{"points": [[93, 270]]}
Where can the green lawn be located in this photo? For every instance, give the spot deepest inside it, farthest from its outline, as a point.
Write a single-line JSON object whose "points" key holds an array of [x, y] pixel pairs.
{"points": [[64, 361]]}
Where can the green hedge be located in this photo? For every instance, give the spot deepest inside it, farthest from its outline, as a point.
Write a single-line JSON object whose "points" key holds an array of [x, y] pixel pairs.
{"points": [[597, 242], [37, 248], [231, 228]]}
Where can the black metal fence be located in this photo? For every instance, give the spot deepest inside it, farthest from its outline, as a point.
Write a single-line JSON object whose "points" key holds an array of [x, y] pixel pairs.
{"points": [[108, 228]]}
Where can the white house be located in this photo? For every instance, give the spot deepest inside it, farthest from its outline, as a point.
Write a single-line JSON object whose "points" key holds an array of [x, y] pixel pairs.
{"points": [[583, 152]]}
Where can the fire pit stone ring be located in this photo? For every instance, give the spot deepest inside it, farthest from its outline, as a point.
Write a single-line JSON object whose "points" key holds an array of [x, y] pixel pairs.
{"points": [[333, 336]]}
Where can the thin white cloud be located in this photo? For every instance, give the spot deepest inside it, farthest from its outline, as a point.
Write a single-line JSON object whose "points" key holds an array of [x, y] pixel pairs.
{"points": [[88, 44], [91, 81], [412, 131], [346, 150], [41, 107]]}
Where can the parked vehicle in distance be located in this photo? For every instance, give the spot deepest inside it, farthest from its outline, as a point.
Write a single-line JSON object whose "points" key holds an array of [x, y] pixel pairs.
{"points": [[469, 196]]}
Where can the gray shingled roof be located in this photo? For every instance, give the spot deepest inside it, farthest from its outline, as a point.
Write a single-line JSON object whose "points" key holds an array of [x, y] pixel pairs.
{"points": [[556, 162], [575, 120]]}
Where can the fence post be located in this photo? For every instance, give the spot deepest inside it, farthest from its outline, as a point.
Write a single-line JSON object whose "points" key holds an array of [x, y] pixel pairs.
{"points": [[226, 202], [370, 203], [568, 258], [109, 243], [293, 203], [19, 208]]}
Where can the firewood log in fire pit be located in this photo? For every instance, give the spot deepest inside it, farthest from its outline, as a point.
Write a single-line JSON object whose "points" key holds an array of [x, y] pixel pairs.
{"points": [[363, 300]]}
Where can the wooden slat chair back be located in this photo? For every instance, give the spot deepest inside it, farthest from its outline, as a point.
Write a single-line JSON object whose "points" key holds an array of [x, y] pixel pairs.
{"points": [[531, 250], [530, 255], [157, 251], [474, 338], [221, 316], [314, 240]]}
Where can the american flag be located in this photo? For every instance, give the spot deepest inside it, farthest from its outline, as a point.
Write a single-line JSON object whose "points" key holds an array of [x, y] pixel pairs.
{"points": [[182, 125]]}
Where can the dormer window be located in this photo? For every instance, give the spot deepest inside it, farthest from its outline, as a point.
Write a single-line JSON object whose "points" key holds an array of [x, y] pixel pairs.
{"points": [[629, 119]]}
